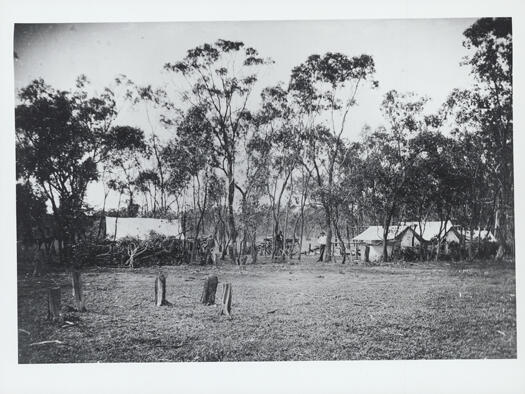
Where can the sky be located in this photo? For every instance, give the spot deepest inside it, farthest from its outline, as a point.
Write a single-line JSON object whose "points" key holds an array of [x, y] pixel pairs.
{"points": [[418, 55]]}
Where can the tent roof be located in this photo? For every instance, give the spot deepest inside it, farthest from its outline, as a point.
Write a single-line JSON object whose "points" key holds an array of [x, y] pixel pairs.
{"points": [[375, 233], [430, 231], [141, 227]]}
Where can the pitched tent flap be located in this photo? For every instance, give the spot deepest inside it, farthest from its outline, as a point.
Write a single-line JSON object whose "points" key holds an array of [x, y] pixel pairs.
{"points": [[142, 227]]}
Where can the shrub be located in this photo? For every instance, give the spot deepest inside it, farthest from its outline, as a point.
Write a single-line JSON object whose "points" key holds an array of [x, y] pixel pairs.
{"points": [[409, 254], [487, 249]]}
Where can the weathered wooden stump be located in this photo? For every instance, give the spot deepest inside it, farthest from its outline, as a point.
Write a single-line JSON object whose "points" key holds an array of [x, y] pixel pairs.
{"points": [[77, 291], [53, 304], [37, 267], [210, 288], [38, 263], [160, 290], [226, 305]]}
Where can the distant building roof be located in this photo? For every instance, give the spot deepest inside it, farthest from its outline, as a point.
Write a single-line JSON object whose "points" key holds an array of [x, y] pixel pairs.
{"points": [[142, 227]]}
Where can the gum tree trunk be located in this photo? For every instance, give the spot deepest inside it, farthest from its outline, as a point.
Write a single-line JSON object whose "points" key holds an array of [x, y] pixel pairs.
{"points": [[328, 224], [498, 228], [231, 213]]}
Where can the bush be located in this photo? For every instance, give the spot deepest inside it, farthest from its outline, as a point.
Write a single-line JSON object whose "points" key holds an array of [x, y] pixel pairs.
{"points": [[409, 254], [487, 249]]}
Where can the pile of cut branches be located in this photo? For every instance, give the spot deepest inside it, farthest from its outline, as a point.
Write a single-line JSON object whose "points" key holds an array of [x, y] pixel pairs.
{"points": [[132, 252]]}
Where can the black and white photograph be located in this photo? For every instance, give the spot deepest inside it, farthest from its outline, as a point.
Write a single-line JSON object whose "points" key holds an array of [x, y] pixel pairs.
{"points": [[217, 192]]}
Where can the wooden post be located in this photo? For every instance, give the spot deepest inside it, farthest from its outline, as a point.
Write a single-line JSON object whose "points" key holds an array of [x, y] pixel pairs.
{"points": [[226, 305], [53, 304], [160, 290], [77, 291], [210, 288]]}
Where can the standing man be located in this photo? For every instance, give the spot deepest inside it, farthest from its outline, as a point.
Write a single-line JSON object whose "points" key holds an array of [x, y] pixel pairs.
{"points": [[322, 245]]}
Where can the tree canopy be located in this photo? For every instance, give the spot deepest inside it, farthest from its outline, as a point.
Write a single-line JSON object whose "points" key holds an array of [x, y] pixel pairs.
{"points": [[240, 161]]}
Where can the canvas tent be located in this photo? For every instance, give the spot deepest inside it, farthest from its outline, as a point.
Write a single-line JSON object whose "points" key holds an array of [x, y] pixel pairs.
{"points": [[117, 228], [372, 240], [403, 235]]}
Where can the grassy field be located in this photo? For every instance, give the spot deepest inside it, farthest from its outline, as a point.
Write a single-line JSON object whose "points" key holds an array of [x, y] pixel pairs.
{"points": [[307, 311]]}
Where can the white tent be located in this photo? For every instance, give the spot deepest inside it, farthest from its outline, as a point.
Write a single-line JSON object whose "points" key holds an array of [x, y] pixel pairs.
{"points": [[141, 227], [372, 239], [401, 234]]}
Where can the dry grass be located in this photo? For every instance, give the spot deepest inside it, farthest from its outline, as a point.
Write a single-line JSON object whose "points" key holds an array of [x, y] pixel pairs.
{"points": [[309, 311]]}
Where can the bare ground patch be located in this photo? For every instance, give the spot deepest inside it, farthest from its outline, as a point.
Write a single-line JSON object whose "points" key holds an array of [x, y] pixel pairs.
{"points": [[308, 311]]}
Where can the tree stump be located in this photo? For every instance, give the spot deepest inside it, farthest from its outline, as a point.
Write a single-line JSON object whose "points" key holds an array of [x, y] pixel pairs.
{"points": [[77, 291], [210, 288], [37, 267], [160, 291], [38, 263], [226, 305], [53, 304]]}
